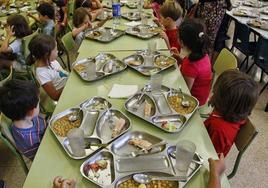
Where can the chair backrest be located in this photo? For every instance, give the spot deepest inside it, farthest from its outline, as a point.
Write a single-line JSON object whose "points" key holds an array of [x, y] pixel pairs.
{"points": [[25, 42], [9, 77], [244, 138], [5, 128], [261, 52], [226, 60], [68, 42], [241, 33]]}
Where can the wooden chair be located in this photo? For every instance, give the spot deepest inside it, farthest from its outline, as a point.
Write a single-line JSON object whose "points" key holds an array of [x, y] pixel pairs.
{"points": [[7, 138], [245, 136]]}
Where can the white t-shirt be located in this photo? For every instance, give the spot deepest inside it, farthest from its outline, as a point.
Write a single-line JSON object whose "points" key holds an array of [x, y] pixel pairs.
{"points": [[16, 47], [53, 73]]}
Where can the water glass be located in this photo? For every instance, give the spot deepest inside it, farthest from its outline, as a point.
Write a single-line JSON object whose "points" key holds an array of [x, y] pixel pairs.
{"points": [[148, 60], [91, 70], [156, 82], [152, 46], [185, 151], [144, 20], [76, 141]]}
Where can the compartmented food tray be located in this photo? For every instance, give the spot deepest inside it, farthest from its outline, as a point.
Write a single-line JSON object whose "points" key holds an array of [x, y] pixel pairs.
{"points": [[132, 5], [114, 166], [168, 110], [134, 15], [244, 13], [106, 65], [104, 34], [143, 31], [260, 24], [105, 15], [160, 62], [100, 122]]}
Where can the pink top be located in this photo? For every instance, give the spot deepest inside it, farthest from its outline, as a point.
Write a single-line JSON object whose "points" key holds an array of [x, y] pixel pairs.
{"points": [[156, 9], [201, 71]]}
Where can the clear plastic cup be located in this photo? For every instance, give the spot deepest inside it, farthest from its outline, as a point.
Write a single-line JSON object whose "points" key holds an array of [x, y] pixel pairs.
{"points": [[152, 46], [91, 70], [156, 82], [144, 20], [76, 141], [185, 151], [148, 60]]}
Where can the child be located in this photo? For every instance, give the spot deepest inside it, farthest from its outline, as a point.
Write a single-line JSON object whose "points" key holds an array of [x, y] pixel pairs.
{"points": [[16, 26], [46, 16], [195, 66], [155, 5], [234, 96], [94, 7], [169, 13], [19, 101], [6, 60], [81, 21], [49, 73]]}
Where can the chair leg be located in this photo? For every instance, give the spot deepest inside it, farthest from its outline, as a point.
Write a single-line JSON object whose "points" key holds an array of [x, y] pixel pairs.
{"points": [[237, 161], [263, 88]]}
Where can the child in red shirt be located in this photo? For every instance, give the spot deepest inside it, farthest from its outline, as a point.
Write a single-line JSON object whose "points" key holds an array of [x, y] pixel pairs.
{"points": [[195, 66], [155, 5], [234, 96], [170, 12]]}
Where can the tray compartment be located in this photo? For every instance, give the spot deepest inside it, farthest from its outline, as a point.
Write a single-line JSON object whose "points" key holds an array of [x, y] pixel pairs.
{"points": [[163, 122]]}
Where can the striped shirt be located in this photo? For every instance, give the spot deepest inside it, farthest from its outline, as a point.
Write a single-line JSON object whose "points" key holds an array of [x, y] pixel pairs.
{"points": [[28, 140]]}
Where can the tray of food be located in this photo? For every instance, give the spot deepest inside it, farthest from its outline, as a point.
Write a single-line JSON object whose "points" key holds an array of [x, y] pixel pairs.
{"points": [[5, 12], [104, 34], [168, 109], [105, 65], [148, 64], [20, 4], [134, 15], [137, 153], [255, 4], [261, 24], [105, 14], [100, 122], [132, 4], [143, 31], [264, 11], [244, 13]]}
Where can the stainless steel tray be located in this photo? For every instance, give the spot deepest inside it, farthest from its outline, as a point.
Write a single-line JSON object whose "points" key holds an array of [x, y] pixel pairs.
{"points": [[121, 168], [167, 112], [104, 34], [8, 12], [106, 65], [133, 16], [160, 63], [97, 118], [132, 5], [143, 31]]}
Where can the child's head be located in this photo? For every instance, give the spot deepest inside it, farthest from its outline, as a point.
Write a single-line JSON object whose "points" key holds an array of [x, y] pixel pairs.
{"points": [[20, 25], [6, 59], [42, 48], [234, 95], [170, 12], [160, 2], [80, 17], [46, 12], [19, 99], [193, 37], [83, 3]]}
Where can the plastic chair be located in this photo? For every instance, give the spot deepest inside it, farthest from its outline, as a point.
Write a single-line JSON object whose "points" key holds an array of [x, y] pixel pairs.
{"points": [[261, 58], [242, 43], [25, 42], [70, 48], [225, 61], [245, 136], [7, 138], [9, 77]]}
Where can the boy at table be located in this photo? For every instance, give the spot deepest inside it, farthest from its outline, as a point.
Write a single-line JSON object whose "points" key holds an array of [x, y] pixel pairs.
{"points": [[170, 12], [19, 101]]}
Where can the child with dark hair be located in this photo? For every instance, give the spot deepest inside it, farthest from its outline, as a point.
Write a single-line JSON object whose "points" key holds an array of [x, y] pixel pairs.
{"points": [[94, 7], [234, 96], [19, 101], [195, 66], [16, 26], [6, 60], [46, 16], [155, 5], [170, 11], [49, 73]]}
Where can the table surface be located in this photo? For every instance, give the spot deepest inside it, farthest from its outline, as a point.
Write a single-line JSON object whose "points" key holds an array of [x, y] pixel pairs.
{"points": [[51, 159]]}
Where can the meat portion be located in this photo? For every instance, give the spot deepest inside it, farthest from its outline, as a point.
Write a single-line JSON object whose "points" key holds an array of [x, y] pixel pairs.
{"points": [[140, 143]]}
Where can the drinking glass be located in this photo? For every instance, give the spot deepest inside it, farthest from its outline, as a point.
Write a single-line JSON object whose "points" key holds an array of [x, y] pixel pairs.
{"points": [[76, 141], [152, 46], [156, 82], [148, 60]]}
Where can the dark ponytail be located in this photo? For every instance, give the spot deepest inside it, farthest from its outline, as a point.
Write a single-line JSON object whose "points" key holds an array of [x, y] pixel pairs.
{"points": [[193, 35]]}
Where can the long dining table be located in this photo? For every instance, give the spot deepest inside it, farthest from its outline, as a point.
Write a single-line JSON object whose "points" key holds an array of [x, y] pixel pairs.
{"points": [[51, 159]]}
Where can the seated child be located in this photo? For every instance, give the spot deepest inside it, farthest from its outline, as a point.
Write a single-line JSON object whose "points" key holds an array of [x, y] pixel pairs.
{"points": [[81, 22], [195, 66], [49, 73], [94, 7], [17, 26], [234, 96], [19, 101], [46, 16], [169, 13], [155, 5], [6, 60]]}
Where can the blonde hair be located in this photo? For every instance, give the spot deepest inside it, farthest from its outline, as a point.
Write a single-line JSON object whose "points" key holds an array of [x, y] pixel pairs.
{"points": [[171, 9]]}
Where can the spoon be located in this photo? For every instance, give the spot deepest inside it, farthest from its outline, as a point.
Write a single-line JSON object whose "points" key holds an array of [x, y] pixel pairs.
{"points": [[184, 102], [75, 115], [145, 178], [173, 155]]}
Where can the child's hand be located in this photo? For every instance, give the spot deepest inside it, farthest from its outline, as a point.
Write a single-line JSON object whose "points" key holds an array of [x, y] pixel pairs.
{"points": [[163, 35], [174, 51], [9, 31], [29, 14], [217, 166], [86, 25], [59, 182]]}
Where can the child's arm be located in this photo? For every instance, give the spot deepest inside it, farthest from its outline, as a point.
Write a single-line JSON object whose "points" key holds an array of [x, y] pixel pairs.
{"points": [[51, 91], [217, 167], [5, 45], [94, 14], [189, 81], [76, 31], [164, 36], [33, 17], [64, 21], [96, 4], [147, 5]]}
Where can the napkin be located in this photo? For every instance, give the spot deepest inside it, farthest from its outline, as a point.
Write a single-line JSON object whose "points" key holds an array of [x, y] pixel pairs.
{"points": [[122, 91]]}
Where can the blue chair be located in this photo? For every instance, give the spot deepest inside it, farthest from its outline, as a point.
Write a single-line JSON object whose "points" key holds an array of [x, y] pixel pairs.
{"points": [[261, 58], [242, 43]]}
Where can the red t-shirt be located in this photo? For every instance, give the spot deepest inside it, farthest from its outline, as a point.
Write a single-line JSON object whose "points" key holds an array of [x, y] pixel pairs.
{"points": [[222, 133], [201, 71], [173, 38], [156, 9]]}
